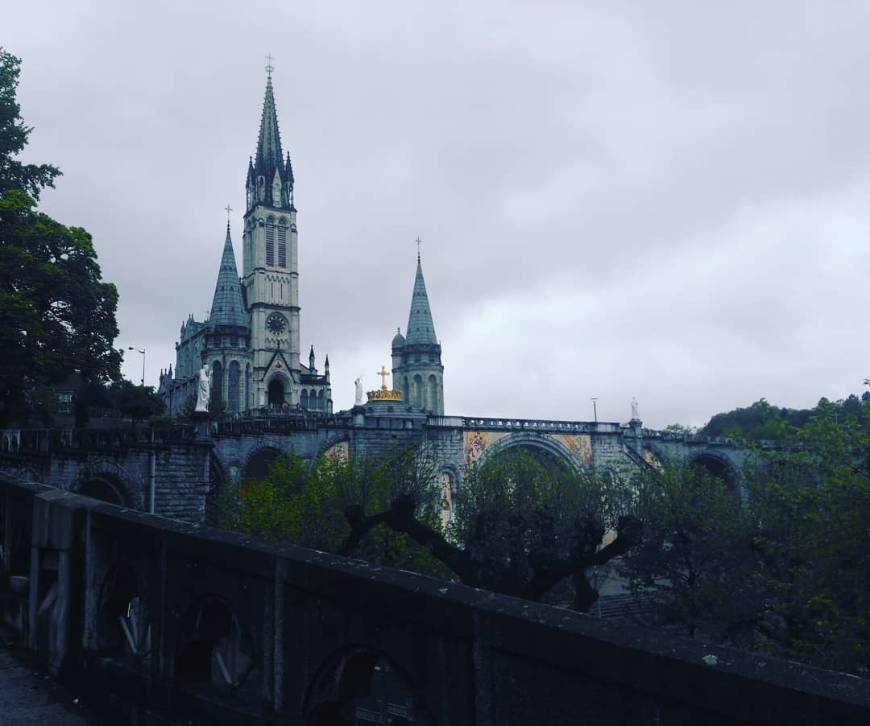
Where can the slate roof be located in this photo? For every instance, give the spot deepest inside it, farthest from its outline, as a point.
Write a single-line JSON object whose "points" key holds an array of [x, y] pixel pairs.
{"points": [[227, 307], [421, 329]]}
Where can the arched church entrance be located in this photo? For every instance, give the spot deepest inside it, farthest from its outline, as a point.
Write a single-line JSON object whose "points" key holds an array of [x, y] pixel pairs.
{"points": [[276, 392], [103, 489]]}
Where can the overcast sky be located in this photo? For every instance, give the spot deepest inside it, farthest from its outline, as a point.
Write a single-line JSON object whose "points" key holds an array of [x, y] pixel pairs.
{"points": [[662, 200]]}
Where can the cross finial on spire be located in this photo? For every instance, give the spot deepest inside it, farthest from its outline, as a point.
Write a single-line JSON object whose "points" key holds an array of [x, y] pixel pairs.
{"points": [[229, 209], [269, 66], [419, 242]]}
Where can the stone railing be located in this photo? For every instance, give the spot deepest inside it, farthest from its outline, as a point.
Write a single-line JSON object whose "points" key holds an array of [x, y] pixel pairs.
{"points": [[520, 424], [47, 441], [158, 618]]}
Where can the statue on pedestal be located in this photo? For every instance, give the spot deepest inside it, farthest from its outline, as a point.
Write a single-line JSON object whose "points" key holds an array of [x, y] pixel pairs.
{"points": [[634, 414], [358, 399], [203, 390]]}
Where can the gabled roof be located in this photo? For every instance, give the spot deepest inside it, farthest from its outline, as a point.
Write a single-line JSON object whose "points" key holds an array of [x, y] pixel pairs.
{"points": [[227, 307], [421, 329]]}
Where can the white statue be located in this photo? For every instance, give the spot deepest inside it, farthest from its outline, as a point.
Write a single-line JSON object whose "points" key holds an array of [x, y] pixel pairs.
{"points": [[203, 390], [634, 415], [359, 392]]}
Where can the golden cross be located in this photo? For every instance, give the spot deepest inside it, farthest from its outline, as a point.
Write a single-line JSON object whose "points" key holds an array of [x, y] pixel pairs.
{"points": [[383, 373]]}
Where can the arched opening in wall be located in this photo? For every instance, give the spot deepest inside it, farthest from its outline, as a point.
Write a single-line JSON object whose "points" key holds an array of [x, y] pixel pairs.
{"points": [[433, 393], [514, 453], [103, 489], [234, 374], [717, 468], [303, 399], [258, 463], [361, 686], [249, 394], [276, 392], [216, 653], [321, 401], [123, 625], [217, 386], [406, 390], [418, 396]]}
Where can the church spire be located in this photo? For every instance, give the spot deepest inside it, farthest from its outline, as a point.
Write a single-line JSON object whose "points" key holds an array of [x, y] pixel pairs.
{"points": [[269, 155], [270, 175], [420, 328], [227, 307]]}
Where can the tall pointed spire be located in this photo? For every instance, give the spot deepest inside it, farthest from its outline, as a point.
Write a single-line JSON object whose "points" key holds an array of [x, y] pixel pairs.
{"points": [[420, 328], [227, 307], [269, 155]]}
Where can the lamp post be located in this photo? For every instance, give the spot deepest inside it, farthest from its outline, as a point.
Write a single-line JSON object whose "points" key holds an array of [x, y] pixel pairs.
{"points": [[595, 408], [143, 362]]}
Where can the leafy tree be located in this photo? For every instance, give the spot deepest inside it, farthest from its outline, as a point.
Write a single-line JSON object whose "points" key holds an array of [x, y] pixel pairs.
{"points": [[137, 402], [56, 315], [30, 178], [521, 528], [812, 509], [696, 565], [306, 504]]}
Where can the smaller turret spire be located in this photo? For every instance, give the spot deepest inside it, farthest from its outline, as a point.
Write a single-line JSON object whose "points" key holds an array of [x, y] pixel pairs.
{"points": [[227, 307], [420, 328], [311, 359]]}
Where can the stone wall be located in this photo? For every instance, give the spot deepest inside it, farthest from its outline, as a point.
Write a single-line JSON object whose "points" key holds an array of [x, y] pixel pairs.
{"points": [[144, 615]]}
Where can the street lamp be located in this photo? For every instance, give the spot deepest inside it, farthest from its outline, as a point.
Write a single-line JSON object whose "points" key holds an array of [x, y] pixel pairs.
{"points": [[143, 362], [594, 407]]}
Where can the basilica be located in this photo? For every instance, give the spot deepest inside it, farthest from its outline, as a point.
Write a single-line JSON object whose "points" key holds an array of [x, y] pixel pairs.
{"points": [[250, 339]]}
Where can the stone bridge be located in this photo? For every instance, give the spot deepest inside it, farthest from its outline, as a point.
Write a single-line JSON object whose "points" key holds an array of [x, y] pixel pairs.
{"points": [[150, 618], [174, 470]]}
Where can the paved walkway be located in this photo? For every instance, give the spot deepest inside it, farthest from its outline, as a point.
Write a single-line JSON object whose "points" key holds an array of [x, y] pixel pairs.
{"points": [[29, 697]]}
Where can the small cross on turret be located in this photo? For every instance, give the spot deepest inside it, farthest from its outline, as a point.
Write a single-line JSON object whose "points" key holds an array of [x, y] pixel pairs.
{"points": [[383, 373]]}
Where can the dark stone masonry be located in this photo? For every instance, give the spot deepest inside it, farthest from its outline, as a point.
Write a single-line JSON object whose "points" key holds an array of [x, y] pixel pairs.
{"points": [[146, 615]]}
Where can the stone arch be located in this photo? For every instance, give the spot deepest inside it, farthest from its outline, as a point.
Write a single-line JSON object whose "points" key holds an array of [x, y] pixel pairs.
{"points": [[123, 620], [217, 383], [355, 678], [215, 649], [417, 396], [258, 461], [234, 375], [432, 390], [105, 486], [547, 450], [277, 389], [303, 399], [717, 466]]}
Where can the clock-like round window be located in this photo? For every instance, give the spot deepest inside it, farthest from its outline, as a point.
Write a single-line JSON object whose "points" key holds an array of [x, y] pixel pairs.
{"points": [[276, 323]]}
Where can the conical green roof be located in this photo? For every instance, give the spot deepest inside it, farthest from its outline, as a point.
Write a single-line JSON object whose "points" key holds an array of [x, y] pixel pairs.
{"points": [[421, 329], [227, 307]]}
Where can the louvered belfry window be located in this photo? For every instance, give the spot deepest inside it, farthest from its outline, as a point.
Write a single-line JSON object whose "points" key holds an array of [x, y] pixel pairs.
{"points": [[270, 244], [282, 246]]}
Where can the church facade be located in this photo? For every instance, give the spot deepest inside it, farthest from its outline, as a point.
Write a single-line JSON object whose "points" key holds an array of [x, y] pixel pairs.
{"points": [[250, 341]]}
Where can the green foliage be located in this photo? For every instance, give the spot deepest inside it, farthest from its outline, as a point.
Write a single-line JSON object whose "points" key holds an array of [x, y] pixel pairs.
{"points": [[56, 315], [305, 504], [695, 563], [812, 508], [763, 422], [780, 566], [31, 178], [516, 512], [137, 402]]}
